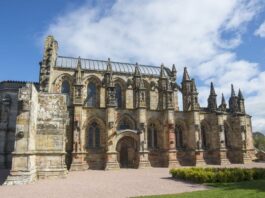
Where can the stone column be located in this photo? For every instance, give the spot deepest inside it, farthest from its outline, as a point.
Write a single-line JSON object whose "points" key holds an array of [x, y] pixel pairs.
{"points": [[223, 160], [246, 158], [199, 152], [78, 154], [172, 152], [23, 169], [111, 155], [143, 153]]}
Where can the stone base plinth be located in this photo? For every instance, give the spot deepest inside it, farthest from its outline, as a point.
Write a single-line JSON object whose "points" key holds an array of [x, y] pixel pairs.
{"points": [[143, 160], [78, 162], [223, 160], [111, 161], [246, 157], [52, 173], [199, 158], [172, 159], [21, 177]]}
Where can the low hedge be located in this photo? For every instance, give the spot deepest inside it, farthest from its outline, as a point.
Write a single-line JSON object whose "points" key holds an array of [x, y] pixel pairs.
{"points": [[217, 175]]}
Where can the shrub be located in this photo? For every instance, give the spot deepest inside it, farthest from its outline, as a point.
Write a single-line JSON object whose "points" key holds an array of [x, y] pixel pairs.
{"points": [[217, 175]]}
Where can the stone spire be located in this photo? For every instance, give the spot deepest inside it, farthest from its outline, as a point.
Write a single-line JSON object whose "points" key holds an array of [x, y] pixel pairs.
{"points": [[186, 76], [233, 94], [212, 104], [162, 71], [222, 106], [137, 77], [108, 75], [109, 67], [240, 95], [137, 70], [241, 102], [174, 71], [79, 72], [110, 88], [139, 88], [223, 102], [233, 101], [193, 86], [194, 97]]}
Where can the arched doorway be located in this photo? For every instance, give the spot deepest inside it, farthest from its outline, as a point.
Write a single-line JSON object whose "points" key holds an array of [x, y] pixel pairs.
{"points": [[127, 149]]}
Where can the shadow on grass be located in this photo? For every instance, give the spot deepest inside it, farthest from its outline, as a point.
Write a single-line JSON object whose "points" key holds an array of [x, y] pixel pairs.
{"points": [[188, 183], [258, 185], [3, 175]]}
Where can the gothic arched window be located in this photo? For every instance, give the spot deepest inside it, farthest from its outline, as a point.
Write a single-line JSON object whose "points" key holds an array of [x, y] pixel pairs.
{"points": [[125, 123], [179, 136], [65, 89], [152, 136], [91, 95], [118, 95], [94, 136], [203, 136], [226, 132]]}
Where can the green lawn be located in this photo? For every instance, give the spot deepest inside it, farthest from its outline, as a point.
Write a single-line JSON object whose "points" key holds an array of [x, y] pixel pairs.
{"points": [[249, 189]]}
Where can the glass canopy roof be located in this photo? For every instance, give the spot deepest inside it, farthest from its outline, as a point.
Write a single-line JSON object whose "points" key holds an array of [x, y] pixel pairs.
{"points": [[99, 65]]}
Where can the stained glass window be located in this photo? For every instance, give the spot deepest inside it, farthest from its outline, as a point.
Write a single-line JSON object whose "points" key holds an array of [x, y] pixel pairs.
{"points": [[226, 131], [94, 136], [179, 136], [65, 89], [152, 136], [118, 95], [125, 123], [91, 95], [203, 136]]}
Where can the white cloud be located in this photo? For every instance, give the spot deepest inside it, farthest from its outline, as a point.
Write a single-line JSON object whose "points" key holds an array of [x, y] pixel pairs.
{"points": [[183, 32], [261, 30]]}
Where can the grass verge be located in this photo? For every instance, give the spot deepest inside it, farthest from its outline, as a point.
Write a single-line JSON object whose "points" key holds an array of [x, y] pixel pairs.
{"points": [[248, 189]]}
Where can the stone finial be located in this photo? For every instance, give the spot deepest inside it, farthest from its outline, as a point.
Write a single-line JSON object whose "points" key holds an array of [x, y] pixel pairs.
{"points": [[109, 67], [174, 69], [240, 95], [223, 102], [212, 91], [193, 86], [162, 71], [232, 91], [186, 76], [79, 72], [137, 70]]}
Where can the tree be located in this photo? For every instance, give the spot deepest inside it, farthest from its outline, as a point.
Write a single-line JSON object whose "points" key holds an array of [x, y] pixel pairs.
{"points": [[259, 141]]}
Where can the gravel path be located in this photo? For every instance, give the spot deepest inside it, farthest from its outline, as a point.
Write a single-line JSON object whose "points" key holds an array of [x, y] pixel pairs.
{"points": [[94, 184]]}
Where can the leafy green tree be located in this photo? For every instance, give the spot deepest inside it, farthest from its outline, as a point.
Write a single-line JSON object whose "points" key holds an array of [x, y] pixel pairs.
{"points": [[259, 140]]}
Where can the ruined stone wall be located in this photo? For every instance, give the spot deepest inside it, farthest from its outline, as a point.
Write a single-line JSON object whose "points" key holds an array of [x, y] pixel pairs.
{"points": [[40, 136], [50, 138], [8, 113]]}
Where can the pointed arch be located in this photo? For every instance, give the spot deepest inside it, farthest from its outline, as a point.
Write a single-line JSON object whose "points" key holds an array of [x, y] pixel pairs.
{"points": [[152, 135], [120, 88], [205, 128], [92, 91], [61, 81], [95, 128], [227, 132], [65, 88], [126, 122], [180, 132]]}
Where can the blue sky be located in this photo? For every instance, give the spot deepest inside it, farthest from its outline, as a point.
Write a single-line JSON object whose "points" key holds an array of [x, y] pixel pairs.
{"points": [[217, 40]]}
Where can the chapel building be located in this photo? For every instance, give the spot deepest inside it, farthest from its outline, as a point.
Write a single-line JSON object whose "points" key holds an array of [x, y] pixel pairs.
{"points": [[93, 114]]}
